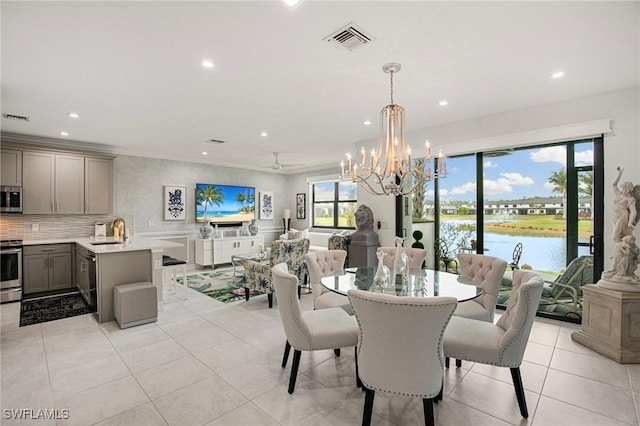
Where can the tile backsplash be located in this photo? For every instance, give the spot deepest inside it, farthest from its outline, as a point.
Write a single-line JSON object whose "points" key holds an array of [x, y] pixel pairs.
{"points": [[49, 227]]}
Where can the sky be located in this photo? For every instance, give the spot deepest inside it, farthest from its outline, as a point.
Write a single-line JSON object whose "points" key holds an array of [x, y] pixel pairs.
{"points": [[522, 174]]}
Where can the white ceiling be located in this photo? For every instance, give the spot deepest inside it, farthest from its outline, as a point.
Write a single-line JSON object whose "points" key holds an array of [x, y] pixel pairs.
{"points": [[132, 70]]}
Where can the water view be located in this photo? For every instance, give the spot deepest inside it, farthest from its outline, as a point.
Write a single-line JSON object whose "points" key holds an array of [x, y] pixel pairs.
{"points": [[542, 253]]}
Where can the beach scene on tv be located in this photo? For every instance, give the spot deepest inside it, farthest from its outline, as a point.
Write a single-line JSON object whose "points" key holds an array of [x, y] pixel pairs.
{"points": [[224, 203]]}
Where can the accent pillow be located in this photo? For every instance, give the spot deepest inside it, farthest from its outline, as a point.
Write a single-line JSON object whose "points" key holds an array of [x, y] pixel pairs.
{"points": [[294, 234]]}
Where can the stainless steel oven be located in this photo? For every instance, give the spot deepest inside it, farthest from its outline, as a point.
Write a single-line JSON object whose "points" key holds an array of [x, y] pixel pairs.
{"points": [[11, 199], [10, 271]]}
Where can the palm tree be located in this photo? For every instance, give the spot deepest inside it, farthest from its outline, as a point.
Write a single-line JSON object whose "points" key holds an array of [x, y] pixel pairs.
{"points": [[559, 181], [208, 195], [241, 198], [251, 200], [586, 187]]}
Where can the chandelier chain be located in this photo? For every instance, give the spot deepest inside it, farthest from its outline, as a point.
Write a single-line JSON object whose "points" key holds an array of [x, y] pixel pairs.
{"points": [[391, 74]]}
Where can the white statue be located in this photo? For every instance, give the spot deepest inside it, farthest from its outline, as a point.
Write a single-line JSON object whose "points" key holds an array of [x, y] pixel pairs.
{"points": [[381, 279], [626, 258], [626, 206], [400, 264]]}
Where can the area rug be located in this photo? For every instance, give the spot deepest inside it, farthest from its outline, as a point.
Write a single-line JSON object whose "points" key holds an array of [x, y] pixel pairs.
{"points": [[52, 308], [220, 284]]}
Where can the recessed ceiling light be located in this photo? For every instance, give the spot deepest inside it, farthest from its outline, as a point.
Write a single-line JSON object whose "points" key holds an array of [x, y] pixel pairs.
{"points": [[73, 115], [206, 63], [367, 123], [443, 103], [558, 74], [204, 153], [264, 134], [64, 134], [292, 3]]}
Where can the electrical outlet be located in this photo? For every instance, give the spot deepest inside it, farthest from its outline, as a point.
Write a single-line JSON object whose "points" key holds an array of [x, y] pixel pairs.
{"points": [[384, 225], [35, 226], [158, 264], [151, 223]]}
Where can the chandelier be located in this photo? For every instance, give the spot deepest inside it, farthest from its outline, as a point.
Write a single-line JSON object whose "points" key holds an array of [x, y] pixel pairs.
{"points": [[389, 170]]}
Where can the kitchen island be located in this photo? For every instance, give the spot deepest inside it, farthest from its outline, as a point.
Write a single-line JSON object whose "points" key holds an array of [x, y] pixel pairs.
{"points": [[118, 262]]}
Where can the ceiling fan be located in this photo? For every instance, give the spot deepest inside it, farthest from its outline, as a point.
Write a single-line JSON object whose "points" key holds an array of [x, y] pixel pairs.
{"points": [[277, 165]]}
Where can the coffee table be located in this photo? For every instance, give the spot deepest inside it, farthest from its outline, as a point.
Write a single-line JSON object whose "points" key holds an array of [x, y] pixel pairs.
{"points": [[238, 259]]}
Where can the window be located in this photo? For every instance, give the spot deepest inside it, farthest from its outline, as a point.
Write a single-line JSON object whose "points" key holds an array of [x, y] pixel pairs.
{"points": [[334, 204]]}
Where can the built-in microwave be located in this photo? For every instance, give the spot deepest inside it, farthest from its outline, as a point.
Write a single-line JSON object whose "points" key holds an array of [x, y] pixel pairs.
{"points": [[11, 199]]}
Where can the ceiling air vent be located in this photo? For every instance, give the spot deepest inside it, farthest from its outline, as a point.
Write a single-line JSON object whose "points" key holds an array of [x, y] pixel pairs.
{"points": [[215, 141], [15, 117], [349, 37]]}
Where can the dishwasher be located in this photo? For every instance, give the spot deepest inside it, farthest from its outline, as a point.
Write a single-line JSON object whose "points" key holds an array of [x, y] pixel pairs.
{"points": [[86, 276]]}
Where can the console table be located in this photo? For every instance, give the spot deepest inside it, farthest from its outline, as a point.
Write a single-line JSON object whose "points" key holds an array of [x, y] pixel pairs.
{"points": [[216, 251]]}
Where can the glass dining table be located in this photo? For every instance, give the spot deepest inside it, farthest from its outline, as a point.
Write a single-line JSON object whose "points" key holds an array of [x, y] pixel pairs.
{"points": [[418, 283]]}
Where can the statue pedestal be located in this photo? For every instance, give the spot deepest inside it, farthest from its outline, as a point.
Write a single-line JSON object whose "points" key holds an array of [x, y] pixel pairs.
{"points": [[610, 323]]}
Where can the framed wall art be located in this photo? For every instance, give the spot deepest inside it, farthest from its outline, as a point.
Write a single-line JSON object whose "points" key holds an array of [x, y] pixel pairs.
{"points": [[174, 202], [301, 206], [266, 205]]}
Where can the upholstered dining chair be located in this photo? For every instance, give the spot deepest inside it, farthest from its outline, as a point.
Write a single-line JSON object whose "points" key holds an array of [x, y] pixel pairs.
{"points": [[321, 264], [257, 275], [317, 330], [501, 344], [416, 256], [486, 272], [392, 334]]}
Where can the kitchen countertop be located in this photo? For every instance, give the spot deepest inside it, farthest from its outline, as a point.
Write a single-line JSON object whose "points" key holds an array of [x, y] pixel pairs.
{"points": [[134, 244]]}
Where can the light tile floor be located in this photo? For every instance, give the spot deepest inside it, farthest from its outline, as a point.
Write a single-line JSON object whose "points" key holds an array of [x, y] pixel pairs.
{"points": [[205, 362]]}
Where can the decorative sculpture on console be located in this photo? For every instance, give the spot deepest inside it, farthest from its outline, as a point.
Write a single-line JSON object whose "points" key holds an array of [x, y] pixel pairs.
{"points": [[626, 258]]}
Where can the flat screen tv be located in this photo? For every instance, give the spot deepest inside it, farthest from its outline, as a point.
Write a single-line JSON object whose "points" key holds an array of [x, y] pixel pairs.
{"points": [[225, 204]]}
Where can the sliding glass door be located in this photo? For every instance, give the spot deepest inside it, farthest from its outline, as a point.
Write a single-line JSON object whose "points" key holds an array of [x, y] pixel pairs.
{"points": [[533, 207]]}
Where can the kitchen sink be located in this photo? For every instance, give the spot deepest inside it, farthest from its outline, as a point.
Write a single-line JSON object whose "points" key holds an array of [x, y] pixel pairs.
{"points": [[101, 243]]}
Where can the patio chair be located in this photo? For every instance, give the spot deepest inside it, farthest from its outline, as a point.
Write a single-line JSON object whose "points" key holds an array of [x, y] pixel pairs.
{"points": [[565, 289], [442, 250], [517, 252]]}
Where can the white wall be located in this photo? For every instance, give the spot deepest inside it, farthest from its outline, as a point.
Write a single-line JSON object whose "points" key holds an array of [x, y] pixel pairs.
{"points": [[138, 187]]}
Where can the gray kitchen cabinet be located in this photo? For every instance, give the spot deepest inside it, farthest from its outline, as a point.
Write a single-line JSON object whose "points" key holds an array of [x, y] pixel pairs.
{"points": [[52, 183], [98, 187], [11, 163], [47, 267]]}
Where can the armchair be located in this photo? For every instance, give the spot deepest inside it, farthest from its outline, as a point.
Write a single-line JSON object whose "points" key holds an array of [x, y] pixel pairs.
{"points": [[257, 276], [565, 291]]}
